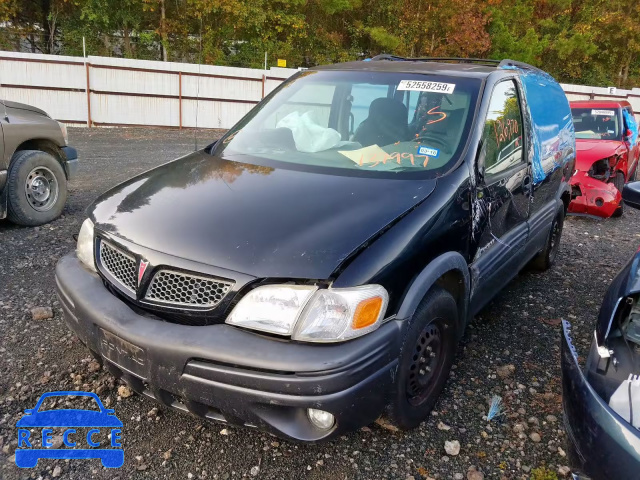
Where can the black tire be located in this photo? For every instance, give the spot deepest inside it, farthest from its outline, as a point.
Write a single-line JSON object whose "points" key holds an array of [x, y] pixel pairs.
{"points": [[619, 184], [430, 343], [547, 257], [37, 188]]}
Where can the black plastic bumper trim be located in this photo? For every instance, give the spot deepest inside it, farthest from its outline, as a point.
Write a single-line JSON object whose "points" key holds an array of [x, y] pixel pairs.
{"points": [[224, 373]]}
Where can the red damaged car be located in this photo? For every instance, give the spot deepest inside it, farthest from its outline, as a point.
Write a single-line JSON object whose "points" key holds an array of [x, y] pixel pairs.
{"points": [[607, 156]]}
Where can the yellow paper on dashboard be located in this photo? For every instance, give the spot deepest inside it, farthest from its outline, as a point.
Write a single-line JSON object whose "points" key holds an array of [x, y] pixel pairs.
{"points": [[367, 155]]}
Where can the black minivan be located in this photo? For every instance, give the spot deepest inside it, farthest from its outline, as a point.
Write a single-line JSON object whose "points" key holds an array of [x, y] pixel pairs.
{"points": [[316, 266]]}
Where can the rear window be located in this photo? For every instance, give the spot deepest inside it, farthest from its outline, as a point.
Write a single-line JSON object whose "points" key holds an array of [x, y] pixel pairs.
{"points": [[596, 123], [366, 121]]}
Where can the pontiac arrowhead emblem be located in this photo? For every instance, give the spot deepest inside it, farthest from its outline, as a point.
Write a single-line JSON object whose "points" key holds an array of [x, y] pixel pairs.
{"points": [[141, 269]]}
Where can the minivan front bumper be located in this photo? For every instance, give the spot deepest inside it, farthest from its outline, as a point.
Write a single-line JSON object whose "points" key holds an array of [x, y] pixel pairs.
{"points": [[601, 443], [228, 374]]}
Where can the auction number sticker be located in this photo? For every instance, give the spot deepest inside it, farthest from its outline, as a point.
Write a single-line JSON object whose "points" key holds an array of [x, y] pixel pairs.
{"points": [[607, 113], [428, 151], [422, 86]]}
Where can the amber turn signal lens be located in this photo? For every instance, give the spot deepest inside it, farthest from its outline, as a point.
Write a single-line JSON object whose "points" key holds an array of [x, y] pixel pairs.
{"points": [[367, 312]]}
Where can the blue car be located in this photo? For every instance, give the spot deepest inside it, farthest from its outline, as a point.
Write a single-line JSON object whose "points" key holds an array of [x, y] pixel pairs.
{"points": [[28, 452]]}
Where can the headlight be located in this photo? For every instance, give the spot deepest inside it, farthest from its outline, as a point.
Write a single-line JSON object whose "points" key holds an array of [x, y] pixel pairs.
{"points": [[65, 134], [339, 314], [84, 249], [601, 169], [272, 308], [312, 315]]}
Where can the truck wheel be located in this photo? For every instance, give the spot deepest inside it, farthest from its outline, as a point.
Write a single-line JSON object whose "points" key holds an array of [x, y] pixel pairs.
{"points": [[425, 359], [618, 182], [37, 188], [547, 257]]}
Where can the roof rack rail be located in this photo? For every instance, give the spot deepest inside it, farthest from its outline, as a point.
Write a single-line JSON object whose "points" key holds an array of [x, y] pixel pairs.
{"points": [[483, 61], [514, 63], [396, 58]]}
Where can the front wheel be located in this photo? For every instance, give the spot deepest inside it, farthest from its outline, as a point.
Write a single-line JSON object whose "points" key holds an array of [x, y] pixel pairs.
{"points": [[425, 359], [37, 188], [547, 257]]}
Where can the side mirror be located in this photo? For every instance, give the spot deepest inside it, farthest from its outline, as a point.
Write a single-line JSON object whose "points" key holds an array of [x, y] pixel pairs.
{"points": [[631, 194], [109, 411], [28, 411]]}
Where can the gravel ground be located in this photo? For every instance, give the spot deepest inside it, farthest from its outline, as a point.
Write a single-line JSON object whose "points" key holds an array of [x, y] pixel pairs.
{"points": [[510, 349]]}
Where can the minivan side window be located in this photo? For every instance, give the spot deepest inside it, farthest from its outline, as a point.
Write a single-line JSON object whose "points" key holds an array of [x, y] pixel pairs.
{"points": [[503, 130]]}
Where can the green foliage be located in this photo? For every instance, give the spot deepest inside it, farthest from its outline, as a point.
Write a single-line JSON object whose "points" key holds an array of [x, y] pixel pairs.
{"points": [[381, 37], [332, 7], [543, 473], [588, 41], [513, 33]]}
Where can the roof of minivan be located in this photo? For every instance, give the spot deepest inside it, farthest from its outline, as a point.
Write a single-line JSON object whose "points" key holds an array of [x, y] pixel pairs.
{"points": [[409, 66], [600, 104]]}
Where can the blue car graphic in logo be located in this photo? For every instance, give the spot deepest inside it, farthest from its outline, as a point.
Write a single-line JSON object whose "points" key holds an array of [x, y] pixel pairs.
{"points": [[30, 449]]}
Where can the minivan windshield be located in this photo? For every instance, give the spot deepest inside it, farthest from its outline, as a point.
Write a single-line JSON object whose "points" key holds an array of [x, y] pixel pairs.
{"points": [[596, 123], [368, 121]]}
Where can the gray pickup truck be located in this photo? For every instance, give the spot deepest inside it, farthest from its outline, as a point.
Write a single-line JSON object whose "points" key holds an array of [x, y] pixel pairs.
{"points": [[35, 164]]}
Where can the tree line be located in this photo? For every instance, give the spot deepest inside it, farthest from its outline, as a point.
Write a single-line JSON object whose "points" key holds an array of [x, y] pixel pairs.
{"points": [[594, 42]]}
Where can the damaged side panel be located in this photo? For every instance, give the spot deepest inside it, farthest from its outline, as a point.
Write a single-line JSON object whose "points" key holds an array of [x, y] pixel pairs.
{"points": [[552, 135], [514, 203]]}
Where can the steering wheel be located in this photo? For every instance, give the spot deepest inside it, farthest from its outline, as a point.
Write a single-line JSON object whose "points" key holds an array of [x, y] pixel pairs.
{"points": [[434, 139]]}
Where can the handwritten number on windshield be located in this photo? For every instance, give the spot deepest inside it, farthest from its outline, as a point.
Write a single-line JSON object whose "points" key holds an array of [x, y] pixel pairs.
{"points": [[397, 157], [433, 112]]}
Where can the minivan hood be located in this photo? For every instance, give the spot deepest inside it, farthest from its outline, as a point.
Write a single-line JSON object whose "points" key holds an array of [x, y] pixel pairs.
{"points": [[256, 220]]}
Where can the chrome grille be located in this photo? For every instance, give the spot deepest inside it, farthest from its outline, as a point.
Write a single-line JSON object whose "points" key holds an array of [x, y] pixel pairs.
{"points": [[185, 289], [119, 264]]}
